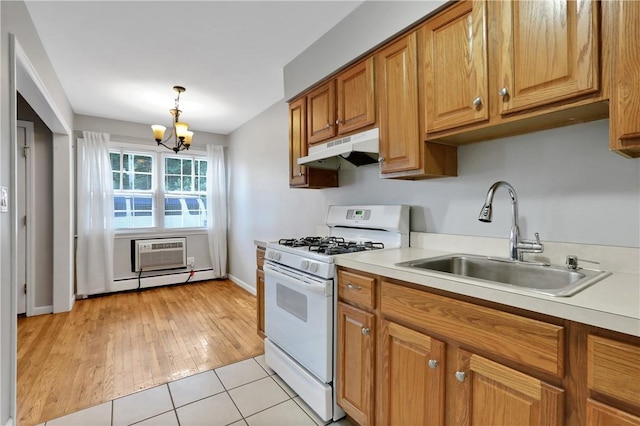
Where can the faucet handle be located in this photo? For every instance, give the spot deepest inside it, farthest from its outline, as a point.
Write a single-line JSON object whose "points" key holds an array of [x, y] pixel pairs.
{"points": [[537, 238], [572, 262]]}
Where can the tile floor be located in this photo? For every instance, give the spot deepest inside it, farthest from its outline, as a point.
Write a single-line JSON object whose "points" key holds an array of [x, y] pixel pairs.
{"points": [[245, 393]]}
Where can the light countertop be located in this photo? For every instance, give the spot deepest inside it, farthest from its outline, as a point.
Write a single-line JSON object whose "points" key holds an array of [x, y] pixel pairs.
{"points": [[613, 303]]}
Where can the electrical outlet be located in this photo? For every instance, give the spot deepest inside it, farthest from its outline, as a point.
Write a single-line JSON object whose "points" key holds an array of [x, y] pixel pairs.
{"points": [[191, 261]]}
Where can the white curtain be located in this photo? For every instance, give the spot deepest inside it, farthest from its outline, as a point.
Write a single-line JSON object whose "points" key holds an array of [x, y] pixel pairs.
{"points": [[94, 258], [217, 210]]}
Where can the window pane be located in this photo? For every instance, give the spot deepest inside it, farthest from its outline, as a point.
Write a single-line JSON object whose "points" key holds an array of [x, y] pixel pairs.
{"points": [[142, 163], [203, 168], [116, 180], [172, 183], [201, 184], [186, 167], [133, 211], [184, 212], [172, 166], [115, 160], [126, 160], [142, 182], [186, 183], [126, 181]]}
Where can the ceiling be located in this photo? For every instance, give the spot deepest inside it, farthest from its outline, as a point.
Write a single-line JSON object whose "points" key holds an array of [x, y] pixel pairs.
{"points": [[120, 59]]}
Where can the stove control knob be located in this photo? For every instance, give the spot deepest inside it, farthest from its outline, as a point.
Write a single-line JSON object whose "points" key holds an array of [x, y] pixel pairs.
{"points": [[313, 267], [304, 264], [273, 255]]}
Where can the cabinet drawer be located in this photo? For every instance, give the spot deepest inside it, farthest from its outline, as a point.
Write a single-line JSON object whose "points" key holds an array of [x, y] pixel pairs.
{"points": [[356, 288], [613, 369], [523, 340], [260, 258]]}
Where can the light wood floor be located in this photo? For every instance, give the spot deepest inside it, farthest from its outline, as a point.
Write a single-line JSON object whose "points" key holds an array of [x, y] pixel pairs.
{"points": [[114, 345]]}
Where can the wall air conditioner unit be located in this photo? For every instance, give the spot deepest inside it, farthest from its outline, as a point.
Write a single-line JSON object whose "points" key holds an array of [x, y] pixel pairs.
{"points": [[158, 254]]}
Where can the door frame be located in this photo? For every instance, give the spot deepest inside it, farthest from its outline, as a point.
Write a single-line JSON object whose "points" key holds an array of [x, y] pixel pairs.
{"points": [[30, 203]]}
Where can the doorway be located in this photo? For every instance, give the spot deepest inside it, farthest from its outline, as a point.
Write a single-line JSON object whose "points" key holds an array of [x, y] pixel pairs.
{"points": [[24, 134]]}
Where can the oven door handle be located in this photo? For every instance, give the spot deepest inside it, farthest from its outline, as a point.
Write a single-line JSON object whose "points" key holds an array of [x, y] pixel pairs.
{"points": [[299, 281]]}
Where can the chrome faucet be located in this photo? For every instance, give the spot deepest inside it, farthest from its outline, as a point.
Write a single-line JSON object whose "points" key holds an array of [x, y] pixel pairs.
{"points": [[517, 246]]}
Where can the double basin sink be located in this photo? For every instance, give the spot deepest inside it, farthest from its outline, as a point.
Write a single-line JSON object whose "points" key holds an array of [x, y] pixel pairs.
{"points": [[536, 277]]}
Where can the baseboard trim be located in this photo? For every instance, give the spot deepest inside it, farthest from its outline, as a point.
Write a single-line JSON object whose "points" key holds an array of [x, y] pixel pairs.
{"points": [[251, 289], [43, 310], [160, 280]]}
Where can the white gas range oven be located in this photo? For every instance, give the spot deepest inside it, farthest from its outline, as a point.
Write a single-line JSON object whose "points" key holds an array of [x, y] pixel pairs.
{"points": [[301, 297]]}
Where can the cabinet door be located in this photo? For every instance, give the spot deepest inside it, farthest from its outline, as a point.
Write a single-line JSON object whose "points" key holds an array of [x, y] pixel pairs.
{"points": [[260, 301], [297, 141], [355, 363], [397, 89], [356, 97], [455, 67], [302, 176], [624, 130], [488, 393], [548, 51], [599, 414], [321, 114], [412, 377]]}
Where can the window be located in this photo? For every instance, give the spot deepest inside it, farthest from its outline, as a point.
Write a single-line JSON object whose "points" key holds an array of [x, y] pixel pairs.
{"points": [[185, 192], [149, 196]]}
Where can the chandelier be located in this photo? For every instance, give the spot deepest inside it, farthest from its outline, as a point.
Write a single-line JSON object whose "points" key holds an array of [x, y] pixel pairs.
{"points": [[180, 132]]}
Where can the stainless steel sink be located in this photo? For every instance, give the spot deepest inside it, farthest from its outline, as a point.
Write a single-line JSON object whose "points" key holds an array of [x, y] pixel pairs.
{"points": [[540, 278]]}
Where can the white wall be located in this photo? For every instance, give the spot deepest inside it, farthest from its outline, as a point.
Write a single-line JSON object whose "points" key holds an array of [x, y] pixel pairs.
{"points": [[261, 204], [368, 26]]}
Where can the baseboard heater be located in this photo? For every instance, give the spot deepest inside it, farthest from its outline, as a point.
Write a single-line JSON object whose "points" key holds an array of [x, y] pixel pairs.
{"points": [[158, 254]]}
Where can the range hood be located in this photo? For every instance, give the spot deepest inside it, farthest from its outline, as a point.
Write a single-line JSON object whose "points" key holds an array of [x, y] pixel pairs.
{"points": [[358, 149]]}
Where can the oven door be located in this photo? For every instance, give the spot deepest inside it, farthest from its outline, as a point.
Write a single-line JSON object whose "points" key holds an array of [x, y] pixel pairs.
{"points": [[299, 317]]}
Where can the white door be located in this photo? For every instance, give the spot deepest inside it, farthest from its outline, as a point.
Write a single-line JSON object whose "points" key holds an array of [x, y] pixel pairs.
{"points": [[25, 142]]}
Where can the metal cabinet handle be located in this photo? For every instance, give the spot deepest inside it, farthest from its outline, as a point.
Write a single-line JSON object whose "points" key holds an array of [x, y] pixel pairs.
{"points": [[380, 159], [329, 125], [477, 102], [461, 376], [433, 363], [338, 121], [365, 331], [354, 287], [504, 91]]}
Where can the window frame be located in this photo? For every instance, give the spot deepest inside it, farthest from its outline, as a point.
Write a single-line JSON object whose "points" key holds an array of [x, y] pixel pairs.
{"points": [[157, 182]]}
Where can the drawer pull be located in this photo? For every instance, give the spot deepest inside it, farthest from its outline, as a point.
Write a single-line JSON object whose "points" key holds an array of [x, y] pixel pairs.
{"points": [[354, 287], [461, 376], [365, 331], [433, 363]]}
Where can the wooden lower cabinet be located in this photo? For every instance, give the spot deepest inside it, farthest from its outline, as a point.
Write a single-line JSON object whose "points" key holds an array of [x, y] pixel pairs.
{"points": [[260, 251], [408, 355], [412, 377], [488, 393], [356, 361]]}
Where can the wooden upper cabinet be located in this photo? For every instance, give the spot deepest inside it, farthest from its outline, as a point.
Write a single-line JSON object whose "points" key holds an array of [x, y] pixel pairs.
{"points": [[356, 97], [302, 176], [514, 398], [625, 103], [297, 141], [548, 52], [413, 375], [397, 80], [454, 62], [321, 113]]}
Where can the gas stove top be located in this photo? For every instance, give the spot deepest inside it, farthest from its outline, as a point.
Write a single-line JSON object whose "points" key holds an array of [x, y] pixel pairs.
{"points": [[330, 245]]}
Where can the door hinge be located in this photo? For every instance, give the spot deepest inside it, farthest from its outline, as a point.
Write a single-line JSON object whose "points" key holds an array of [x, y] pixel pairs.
{"points": [[24, 220], [25, 151], [25, 288]]}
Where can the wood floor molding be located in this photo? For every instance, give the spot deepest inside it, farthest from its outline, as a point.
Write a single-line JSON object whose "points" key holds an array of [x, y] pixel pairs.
{"points": [[114, 345]]}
